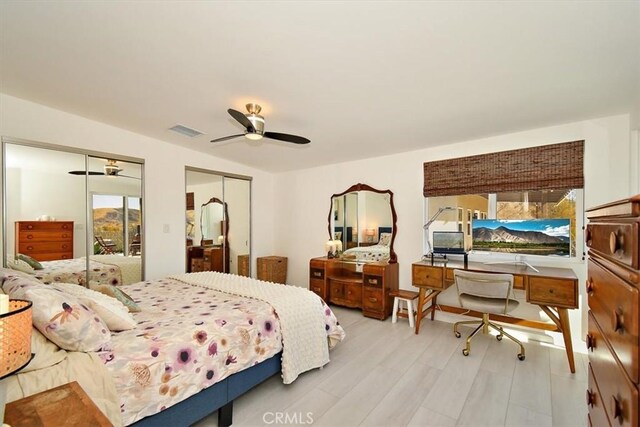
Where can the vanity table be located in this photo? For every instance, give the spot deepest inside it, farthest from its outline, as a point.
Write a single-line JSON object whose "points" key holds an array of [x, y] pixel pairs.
{"points": [[356, 285], [205, 258]]}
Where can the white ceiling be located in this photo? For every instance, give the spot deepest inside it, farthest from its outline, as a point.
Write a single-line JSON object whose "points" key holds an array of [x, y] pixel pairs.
{"points": [[360, 79]]}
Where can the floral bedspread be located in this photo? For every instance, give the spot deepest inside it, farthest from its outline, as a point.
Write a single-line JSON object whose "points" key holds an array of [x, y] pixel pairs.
{"points": [[188, 338], [74, 271], [368, 253]]}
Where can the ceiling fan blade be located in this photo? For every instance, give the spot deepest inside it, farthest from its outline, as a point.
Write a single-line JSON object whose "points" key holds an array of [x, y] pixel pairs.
{"points": [[224, 138], [85, 173], [286, 137], [242, 119]]}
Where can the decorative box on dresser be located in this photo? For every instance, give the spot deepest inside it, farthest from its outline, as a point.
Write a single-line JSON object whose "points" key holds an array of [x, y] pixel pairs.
{"points": [[343, 283], [45, 240], [613, 286]]}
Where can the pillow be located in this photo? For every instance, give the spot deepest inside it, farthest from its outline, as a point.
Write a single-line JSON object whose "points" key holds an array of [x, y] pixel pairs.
{"points": [[19, 265], [117, 293], [32, 262], [112, 311], [12, 279], [62, 318], [385, 239]]}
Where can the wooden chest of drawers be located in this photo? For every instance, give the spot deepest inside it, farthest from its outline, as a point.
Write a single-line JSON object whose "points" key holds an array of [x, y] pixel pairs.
{"points": [[613, 287], [45, 240]]}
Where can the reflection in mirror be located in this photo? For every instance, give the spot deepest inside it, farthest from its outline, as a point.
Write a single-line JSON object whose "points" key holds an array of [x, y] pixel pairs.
{"points": [[364, 220], [45, 194], [217, 222], [115, 206]]}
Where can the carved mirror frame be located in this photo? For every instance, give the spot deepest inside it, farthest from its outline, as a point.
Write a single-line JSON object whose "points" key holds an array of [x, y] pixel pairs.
{"points": [[393, 258], [225, 231]]}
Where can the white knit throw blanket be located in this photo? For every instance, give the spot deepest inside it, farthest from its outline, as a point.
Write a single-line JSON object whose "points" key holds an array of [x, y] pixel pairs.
{"points": [[301, 315]]}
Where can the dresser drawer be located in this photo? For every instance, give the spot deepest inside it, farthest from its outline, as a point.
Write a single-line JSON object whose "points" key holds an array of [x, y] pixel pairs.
{"points": [[372, 299], [45, 225], [614, 305], [432, 277], [617, 241], [28, 248], [628, 356], [374, 269], [551, 291], [353, 293], [373, 281], [595, 404], [619, 394], [318, 287], [316, 273], [45, 236]]}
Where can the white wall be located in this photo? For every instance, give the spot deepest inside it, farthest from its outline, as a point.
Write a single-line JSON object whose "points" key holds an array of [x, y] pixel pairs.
{"points": [[302, 231], [164, 176]]}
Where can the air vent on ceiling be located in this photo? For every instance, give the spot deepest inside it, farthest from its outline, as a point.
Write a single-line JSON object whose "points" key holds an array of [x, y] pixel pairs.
{"points": [[191, 133]]}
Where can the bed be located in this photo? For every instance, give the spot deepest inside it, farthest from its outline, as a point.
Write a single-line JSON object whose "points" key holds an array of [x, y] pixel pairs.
{"points": [[200, 341], [371, 253], [103, 269]]}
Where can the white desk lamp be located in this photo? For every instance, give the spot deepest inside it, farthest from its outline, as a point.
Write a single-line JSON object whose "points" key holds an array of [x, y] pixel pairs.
{"points": [[428, 224]]}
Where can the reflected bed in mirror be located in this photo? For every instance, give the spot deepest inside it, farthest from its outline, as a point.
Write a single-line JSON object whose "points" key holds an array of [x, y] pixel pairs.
{"points": [[364, 220]]}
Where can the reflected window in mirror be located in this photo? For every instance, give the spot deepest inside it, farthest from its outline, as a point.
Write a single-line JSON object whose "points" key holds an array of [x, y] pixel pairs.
{"points": [[48, 218], [364, 220]]}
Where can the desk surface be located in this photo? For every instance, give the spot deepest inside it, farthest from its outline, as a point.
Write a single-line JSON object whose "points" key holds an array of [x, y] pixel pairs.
{"points": [[509, 268]]}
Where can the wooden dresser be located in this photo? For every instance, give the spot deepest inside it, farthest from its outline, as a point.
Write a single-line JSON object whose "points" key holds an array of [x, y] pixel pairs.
{"points": [[204, 259], [613, 285], [45, 240], [341, 283]]}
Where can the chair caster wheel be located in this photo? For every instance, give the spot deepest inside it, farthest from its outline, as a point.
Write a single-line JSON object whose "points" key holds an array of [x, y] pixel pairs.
{"points": [[457, 334], [499, 337], [465, 351], [521, 356]]}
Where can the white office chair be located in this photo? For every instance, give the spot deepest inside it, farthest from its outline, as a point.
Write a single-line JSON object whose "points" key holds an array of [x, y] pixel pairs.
{"points": [[487, 293]]}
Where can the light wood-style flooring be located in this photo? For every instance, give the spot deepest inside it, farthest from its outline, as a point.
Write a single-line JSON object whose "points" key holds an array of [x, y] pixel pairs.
{"points": [[383, 374]]}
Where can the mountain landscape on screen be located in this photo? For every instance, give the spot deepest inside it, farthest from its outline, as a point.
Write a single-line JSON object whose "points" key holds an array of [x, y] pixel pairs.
{"points": [[535, 237]]}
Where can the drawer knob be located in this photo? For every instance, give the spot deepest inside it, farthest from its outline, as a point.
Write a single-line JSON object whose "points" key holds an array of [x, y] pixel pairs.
{"points": [[590, 286], [588, 236], [591, 342], [29, 236], [317, 274], [30, 248], [371, 299], [29, 227], [616, 409], [618, 320], [590, 398], [616, 242]]}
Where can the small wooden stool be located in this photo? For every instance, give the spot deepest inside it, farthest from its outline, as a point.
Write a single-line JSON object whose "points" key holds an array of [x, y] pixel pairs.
{"points": [[408, 312]]}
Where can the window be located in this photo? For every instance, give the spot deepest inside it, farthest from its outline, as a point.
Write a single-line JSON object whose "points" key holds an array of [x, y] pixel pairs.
{"points": [[513, 206], [117, 218]]}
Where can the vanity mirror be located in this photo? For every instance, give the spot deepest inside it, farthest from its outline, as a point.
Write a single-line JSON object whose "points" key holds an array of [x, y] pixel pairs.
{"points": [[364, 220], [72, 211]]}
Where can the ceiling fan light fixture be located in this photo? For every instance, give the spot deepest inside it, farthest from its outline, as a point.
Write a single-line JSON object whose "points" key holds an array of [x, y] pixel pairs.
{"points": [[253, 136]]}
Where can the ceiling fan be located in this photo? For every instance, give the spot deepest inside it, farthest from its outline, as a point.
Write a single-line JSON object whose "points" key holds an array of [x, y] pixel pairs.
{"points": [[110, 169], [254, 127]]}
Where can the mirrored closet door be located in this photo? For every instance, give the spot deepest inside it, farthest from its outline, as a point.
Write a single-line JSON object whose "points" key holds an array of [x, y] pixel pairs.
{"points": [[72, 216], [218, 222]]}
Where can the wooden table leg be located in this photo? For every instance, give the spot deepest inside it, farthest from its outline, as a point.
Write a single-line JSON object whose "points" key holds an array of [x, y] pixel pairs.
{"points": [[419, 314], [433, 305], [566, 334]]}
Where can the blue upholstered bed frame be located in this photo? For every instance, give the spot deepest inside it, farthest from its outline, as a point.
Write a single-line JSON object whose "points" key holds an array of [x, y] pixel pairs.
{"points": [[219, 397]]}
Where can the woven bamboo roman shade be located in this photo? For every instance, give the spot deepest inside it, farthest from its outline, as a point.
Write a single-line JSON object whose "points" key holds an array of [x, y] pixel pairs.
{"points": [[547, 167]]}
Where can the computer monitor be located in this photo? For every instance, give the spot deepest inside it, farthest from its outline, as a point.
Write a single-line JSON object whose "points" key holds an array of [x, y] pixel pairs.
{"points": [[448, 242]]}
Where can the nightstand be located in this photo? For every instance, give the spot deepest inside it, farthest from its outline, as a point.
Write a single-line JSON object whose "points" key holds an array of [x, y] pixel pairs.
{"points": [[67, 404]]}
